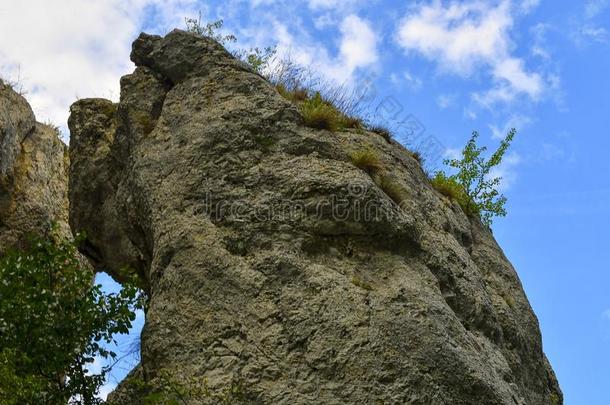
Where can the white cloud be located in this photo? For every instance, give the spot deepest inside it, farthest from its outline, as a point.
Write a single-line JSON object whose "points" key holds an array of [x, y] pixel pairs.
{"points": [[463, 37], [606, 314], [512, 70], [516, 121], [318, 4], [470, 113], [331, 4], [452, 153], [585, 29], [550, 151], [324, 21], [593, 8], [527, 6], [357, 45], [596, 34], [256, 3], [413, 82], [539, 46], [446, 100], [407, 79], [540, 52], [66, 49], [459, 35]]}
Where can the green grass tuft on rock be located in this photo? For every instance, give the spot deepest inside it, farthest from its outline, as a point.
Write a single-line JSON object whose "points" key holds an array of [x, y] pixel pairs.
{"points": [[454, 191], [352, 122], [367, 160], [294, 95], [381, 130], [393, 189], [418, 156]]}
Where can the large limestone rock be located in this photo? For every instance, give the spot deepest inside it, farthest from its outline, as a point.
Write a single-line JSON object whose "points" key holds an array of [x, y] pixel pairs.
{"points": [[274, 265], [33, 174]]}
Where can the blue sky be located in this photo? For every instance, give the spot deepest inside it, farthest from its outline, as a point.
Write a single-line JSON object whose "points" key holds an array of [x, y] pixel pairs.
{"points": [[442, 68]]}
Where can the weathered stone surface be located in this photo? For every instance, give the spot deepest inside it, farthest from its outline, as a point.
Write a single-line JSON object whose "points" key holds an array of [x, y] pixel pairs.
{"points": [[275, 265], [33, 174]]}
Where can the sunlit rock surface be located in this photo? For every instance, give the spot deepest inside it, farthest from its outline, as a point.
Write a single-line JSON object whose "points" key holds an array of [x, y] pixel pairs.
{"points": [[33, 174]]}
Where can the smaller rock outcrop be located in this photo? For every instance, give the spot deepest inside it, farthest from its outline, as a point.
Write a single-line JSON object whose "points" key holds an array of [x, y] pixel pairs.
{"points": [[33, 173]]}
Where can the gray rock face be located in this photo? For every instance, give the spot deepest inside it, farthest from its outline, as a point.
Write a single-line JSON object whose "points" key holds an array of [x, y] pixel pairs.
{"points": [[33, 174], [274, 264]]}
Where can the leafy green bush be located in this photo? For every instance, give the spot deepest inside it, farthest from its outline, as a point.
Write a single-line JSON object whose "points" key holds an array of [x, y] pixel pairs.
{"points": [[257, 58], [209, 30], [472, 185], [53, 322]]}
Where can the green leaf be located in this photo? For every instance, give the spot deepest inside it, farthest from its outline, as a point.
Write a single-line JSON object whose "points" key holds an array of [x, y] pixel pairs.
{"points": [[51, 320]]}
